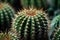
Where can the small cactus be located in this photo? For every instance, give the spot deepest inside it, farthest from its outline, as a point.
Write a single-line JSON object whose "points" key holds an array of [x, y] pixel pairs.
{"points": [[6, 15], [31, 24], [55, 25], [34, 3]]}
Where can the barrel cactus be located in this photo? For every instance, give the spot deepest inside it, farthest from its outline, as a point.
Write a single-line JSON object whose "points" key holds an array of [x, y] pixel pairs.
{"points": [[55, 28], [6, 16], [31, 24], [34, 3]]}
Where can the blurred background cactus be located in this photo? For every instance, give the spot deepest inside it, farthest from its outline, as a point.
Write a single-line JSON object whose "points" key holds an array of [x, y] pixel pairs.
{"points": [[9, 36], [31, 24], [34, 3], [56, 35], [54, 5], [55, 27], [6, 15]]}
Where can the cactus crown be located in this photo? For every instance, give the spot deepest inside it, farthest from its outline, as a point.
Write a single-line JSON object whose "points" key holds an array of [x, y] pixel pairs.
{"points": [[30, 23]]}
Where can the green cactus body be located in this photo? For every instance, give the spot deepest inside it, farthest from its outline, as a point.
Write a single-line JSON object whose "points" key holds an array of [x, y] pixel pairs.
{"points": [[31, 24], [6, 15], [33, 3], [55, 25]]}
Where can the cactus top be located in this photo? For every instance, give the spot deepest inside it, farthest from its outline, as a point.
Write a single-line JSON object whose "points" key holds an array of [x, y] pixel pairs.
{"points": [[31, 12]]}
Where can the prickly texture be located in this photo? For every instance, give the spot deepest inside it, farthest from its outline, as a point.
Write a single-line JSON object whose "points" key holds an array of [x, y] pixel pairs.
{"points": [[6, 15], [9, 36], [55, 28], [31, 24], [33, 3]]}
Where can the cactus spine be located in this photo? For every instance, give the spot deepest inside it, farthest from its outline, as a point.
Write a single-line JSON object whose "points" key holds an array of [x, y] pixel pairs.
{"points": [[33, 3], [6, 15], [31, 24]]}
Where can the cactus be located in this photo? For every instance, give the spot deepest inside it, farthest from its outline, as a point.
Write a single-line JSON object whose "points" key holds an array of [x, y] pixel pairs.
{"points": [[31, 24], [6, 15], [55, 25], [34, 3], [9, 36]]}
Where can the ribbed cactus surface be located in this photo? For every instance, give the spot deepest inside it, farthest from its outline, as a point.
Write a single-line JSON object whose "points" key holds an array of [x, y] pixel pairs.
{"points": [[33, 3], [6, 15], [31, 24], [55, 28]]}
